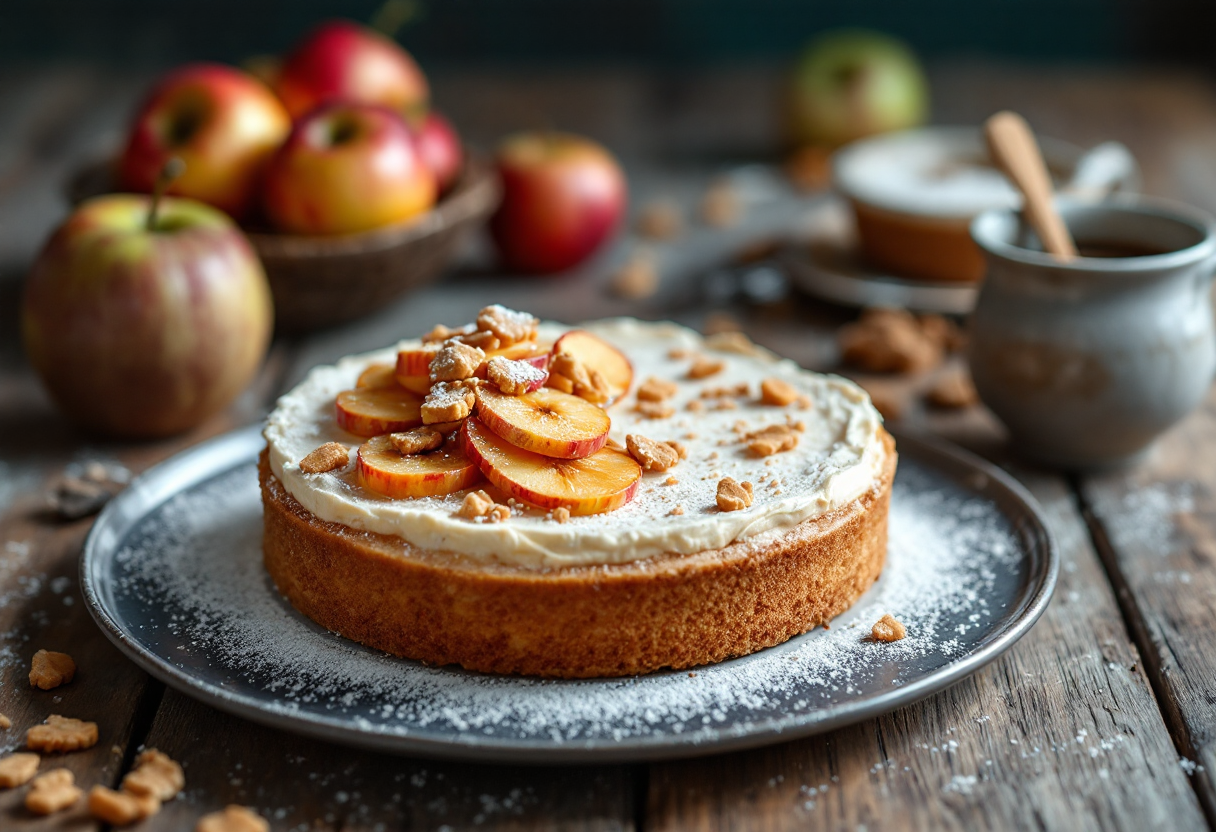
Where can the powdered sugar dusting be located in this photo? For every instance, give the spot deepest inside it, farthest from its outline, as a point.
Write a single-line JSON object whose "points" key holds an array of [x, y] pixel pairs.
{"points": [[190, 584]]}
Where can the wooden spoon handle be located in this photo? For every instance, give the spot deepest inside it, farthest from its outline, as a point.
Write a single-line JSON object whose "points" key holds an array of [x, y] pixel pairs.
{"points": [[1016, 153]]}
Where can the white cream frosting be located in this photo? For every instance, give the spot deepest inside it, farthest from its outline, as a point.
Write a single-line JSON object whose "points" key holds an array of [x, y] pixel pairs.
{"points": [[839, 458]]}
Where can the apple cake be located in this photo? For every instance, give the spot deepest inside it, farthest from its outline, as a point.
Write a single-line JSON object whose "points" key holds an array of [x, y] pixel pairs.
{"points": [[610, 500]]}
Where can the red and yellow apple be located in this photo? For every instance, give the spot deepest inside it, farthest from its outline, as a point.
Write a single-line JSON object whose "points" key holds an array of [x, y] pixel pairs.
{"points": [[440, 149], [140, 332], [343, 61], [222, 123], [347, 168], [563, 195]]}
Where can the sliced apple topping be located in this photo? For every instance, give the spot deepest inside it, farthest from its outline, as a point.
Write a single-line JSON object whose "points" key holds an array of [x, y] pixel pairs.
{"points": [[416, 361], [601, 482], [594, 353], [386, 471], [415, 384], [371, 411], [377, 375], [546, 421]]}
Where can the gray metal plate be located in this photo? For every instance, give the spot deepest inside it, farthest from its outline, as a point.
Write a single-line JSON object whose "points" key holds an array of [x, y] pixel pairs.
{"points": [[172, 573]]}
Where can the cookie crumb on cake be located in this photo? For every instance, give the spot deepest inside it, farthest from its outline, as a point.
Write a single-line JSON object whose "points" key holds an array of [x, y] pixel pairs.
{"points": [[734, 496], [416, 440], [455, 361], [888, 628], [449, 401], [679, 447], [771, 440], [327, 457], [442, 333], [512, 377], [52, 791], [475, 504], [657, 390], [774, 391], [509, 326], [651, 455], [655, 410], [703, 367], [560, 514], [50, 670]]}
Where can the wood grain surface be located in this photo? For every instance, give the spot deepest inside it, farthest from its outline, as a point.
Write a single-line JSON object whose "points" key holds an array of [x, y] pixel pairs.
{"points": [[1080, 726]]}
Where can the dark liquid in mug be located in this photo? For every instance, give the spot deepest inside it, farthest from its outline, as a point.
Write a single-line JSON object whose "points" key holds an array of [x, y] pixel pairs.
{"points": [[1102, 248]]}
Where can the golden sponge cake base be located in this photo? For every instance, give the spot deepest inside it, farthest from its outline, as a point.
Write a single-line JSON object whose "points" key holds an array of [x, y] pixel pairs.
{"points": [[677, 611]]}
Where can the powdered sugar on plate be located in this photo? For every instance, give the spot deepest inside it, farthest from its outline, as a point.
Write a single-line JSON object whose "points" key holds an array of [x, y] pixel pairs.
{"points": [[187, 585]]}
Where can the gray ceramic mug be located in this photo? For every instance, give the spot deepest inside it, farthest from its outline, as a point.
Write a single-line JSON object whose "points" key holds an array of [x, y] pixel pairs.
{"points": [[1088, 362]]}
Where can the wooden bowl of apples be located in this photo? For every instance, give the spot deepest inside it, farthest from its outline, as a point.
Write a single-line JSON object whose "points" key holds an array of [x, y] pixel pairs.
{"points": [[351, 194]]}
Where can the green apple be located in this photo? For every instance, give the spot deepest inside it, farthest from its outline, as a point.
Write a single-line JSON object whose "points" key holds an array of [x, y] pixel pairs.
{"points": [[853, 83], [143, 324]]}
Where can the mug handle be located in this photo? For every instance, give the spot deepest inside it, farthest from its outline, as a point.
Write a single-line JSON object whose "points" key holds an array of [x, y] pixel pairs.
{"points": [[1103, 170]]}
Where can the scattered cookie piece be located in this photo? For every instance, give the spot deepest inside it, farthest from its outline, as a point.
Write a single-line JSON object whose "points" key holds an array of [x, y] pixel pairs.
{"points": [[776, 392], [953, 391], [560, 514], [514, 378], [155, 775], [660, 219], [328, 457], [733, 496], [484, 341], [442, 333], [679, 447], [509, 326], [52, 791], [120, 808], [676, 512], [61, 733], [417, 440], [657, 390], [888, 628], [655, 410], [809, 167], [887, 341], [637, 278], [232, 819], [17, 769], [731, 341], [449, 401], [5, 722], [696, 405], [455, 361], [50, 670], [475, 504], [942, 331], [703, 367], [771, 440], [720, 205], [651, 455]]}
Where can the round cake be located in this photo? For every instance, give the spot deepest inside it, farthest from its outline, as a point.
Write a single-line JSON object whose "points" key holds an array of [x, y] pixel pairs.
{"points": [[605, 501]]}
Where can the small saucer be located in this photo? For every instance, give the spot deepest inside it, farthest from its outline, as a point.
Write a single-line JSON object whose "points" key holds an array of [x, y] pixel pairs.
{"points": [[827, 263]]}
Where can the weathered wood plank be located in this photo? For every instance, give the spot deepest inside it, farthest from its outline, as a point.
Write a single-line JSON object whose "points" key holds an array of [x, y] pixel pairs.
{"points": [[307, 784], [1156, 529], [1061, 733]]}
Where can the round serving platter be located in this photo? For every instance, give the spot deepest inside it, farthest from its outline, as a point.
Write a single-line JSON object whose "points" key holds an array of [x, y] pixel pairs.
{"points": [[172, 573]]}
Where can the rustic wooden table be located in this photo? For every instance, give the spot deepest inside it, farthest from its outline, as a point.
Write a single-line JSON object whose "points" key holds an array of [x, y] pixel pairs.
{"points": [[1103, 717]]}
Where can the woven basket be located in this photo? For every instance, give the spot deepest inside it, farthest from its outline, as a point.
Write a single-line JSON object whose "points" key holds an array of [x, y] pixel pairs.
{"points": [[319, 282]]}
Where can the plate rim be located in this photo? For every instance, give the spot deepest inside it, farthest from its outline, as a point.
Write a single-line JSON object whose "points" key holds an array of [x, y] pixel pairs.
{"points": [[161, 482]]}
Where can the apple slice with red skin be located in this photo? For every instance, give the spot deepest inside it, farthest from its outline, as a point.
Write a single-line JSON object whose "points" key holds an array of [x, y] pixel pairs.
{"points": [[415, 384], [376, 376], [371, 411], [416, 361], [546, 421], [594, 353], [383, 470], [602, 482]]}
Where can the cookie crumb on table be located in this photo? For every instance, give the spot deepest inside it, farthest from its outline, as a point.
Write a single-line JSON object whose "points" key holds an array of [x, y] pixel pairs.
{"points": [[953, 391], [328, 457], [720, 205], [660, 219], [17, 769], [52, 791], [50, 670], [120, 808], [888, 341], [5, 722], [888, 628], [61, 733], [155, 775], [232, 819], [637, 278]]}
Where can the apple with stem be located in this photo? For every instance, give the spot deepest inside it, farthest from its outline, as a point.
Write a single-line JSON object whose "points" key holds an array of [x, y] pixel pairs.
{"points": [[347, 168], [343, 61], [563, 196], [145, 315], [222, 123]]}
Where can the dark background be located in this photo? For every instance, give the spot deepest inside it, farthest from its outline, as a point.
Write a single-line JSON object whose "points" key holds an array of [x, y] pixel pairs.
{"points": [[657, 33]]}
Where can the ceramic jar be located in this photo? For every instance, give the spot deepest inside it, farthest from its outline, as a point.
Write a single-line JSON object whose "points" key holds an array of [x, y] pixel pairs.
{"points": [[1087, 362]]}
